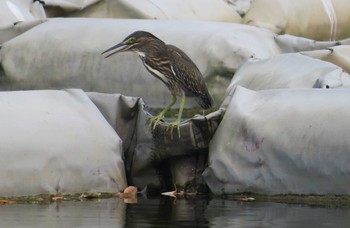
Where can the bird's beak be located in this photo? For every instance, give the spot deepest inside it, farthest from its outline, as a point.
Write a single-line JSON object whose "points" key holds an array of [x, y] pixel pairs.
{"points": [[118, 48]]}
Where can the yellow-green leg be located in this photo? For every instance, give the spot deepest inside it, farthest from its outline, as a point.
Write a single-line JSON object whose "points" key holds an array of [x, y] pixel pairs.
{"points": [[153, 121], [178, 120]]}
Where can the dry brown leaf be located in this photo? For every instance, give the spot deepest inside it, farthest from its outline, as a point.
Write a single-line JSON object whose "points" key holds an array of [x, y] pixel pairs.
{"points": [[7, 202], [129, 192], [57, 198]]}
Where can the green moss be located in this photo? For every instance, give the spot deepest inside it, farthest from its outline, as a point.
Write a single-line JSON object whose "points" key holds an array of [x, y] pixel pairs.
{"points": [[47, 198], [187, 112]]}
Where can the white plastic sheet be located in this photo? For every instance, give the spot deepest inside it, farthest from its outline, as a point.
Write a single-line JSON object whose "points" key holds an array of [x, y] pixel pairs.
{"points": [[56, 142], [286, 141]]}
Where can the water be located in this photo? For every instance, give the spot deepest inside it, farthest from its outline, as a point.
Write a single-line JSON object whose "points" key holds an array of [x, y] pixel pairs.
{"points": [[165, 212]]}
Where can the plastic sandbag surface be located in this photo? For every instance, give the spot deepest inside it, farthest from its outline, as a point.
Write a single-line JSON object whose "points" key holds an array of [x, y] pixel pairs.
{"points": [[315, 19], [287, 141], [67, 53], [339, 55], [289, 71], [162, 9], [56, 142]]}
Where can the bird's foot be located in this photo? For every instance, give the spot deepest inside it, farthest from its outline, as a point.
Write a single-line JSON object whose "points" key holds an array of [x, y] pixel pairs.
{"points": [[173, 125], [153, 121]]}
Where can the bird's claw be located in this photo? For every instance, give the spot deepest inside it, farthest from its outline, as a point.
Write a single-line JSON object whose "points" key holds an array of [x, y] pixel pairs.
{"points": [[153, 121], [171, 127]]}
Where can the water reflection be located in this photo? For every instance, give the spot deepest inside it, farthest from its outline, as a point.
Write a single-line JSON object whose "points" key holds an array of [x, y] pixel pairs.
{"points": [[165, 212]]}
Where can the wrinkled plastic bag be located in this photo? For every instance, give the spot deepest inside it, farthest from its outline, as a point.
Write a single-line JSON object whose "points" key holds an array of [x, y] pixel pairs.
{"points": [[57, 142], [282, 141]]}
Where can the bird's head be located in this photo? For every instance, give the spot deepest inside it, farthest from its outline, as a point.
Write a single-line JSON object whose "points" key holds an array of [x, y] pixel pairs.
{"points": [[139, 41]]}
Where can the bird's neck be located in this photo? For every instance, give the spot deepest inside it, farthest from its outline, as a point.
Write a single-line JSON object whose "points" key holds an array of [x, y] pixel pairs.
{"points": [[141, 54]]}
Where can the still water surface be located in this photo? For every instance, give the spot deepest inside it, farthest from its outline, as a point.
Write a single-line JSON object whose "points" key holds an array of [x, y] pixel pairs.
{"points": [[165, 212]]}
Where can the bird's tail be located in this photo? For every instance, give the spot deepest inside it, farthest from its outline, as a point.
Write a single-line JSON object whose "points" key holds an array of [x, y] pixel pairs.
{"points": [[205, 101]]}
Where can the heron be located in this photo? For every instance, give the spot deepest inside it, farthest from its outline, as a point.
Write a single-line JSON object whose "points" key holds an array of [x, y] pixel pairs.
{"points": [[170, 65]]}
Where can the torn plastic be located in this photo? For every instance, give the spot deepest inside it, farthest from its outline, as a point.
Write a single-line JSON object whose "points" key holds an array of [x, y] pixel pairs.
{"points": [[282, 141], [57, 142]]}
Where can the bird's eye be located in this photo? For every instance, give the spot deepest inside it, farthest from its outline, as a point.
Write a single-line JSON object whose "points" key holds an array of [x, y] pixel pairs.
{"points": [[131, 40]]}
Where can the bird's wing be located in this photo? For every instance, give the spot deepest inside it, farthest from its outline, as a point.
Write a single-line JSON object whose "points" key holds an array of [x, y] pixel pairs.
{"points": [[185, 71], [189, 77]]}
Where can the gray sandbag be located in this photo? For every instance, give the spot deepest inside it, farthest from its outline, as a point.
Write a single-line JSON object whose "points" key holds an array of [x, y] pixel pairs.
{"points": [[314, 19], [66, 52], [282, 141], [57, 142], [145, 151], [160, 9]]}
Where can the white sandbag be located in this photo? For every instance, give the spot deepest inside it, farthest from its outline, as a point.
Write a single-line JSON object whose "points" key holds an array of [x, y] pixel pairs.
{"points": [[56, 142], [289, 71], [12, 11], [241, 6], [315, 19], [67, 53], [16, 29], [287, 141], [339, 55], [163, 9]]}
